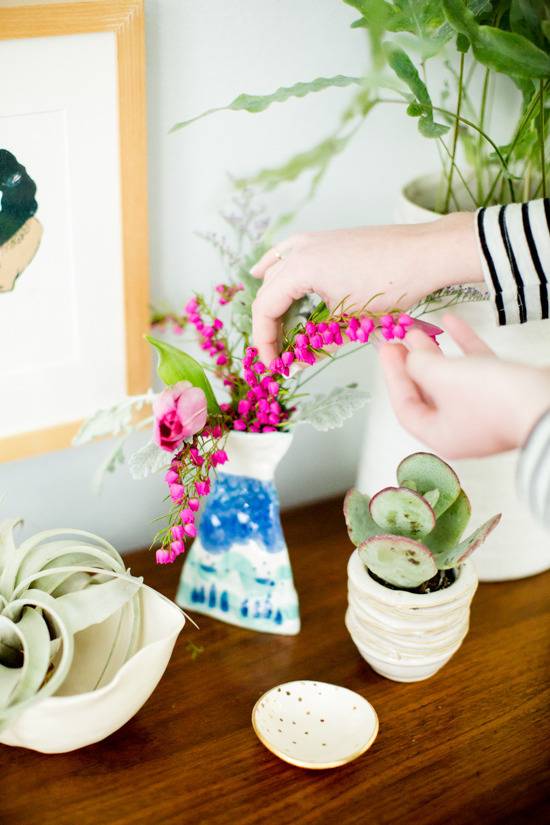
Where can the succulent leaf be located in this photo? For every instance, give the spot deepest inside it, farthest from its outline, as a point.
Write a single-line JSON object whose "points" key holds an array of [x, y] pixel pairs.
{"points": [[358, 518], [402, 512], [410, 484], [456, 555], [450, 525], [398, 560], [428, 471], [432, 497]]}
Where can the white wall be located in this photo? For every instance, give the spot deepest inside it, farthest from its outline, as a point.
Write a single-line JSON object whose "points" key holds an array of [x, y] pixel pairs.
{"points": [[202, 55]]}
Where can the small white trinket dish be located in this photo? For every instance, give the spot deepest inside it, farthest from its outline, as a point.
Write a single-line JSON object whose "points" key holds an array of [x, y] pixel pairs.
{"points": [[314, 724]]}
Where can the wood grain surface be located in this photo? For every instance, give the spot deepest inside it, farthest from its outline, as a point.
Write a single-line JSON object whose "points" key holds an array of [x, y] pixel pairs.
{"points": [[471, 745]]}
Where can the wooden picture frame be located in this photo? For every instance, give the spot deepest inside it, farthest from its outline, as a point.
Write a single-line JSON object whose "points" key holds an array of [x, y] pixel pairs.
{"points": [[124, 18]]}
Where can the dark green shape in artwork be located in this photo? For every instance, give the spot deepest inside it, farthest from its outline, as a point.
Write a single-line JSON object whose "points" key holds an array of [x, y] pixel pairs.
{"points": [[18, 192]]}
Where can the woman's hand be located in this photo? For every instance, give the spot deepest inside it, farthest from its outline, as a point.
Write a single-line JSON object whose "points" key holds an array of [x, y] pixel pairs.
{"points": [[463, 407], [399, 264]]}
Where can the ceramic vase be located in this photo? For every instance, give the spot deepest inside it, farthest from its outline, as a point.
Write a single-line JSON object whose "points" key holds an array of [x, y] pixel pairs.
{"points": [[519, 547], [238, 569], [405, 636]]}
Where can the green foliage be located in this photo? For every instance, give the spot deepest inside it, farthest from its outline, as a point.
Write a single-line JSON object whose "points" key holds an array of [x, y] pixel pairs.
{"points": [[259, 103], [53, 586], [406, 534], [175, 365], [406, 71]]}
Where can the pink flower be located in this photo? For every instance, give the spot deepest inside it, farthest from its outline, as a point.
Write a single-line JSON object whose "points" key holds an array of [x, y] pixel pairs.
{"points": [[202, 487], [194, 504], [177, 548], [190, 530], [177, 532], [176, 493], [219, 457], [187, 516], [239, 424], [180, 411]]}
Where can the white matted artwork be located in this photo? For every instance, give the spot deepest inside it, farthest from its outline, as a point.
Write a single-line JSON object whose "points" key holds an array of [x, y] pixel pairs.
{"points": [[73, 296]]}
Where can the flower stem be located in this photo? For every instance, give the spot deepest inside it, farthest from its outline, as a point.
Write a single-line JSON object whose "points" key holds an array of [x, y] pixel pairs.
{"points": [[447, 201], [479, 160]]}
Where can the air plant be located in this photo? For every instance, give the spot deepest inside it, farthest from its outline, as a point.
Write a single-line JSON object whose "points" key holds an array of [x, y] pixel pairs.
{"points": [[410, 536], [54, 585]]}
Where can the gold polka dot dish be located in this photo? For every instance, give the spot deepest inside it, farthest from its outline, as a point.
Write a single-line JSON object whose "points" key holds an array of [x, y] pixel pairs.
{"points": [[314, 725]]}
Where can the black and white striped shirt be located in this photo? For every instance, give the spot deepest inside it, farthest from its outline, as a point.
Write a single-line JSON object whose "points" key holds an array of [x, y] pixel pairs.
{"points": [[515, 254]]}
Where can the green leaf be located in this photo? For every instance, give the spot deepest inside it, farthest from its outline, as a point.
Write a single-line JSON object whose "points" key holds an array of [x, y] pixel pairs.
{"points": [[96, 602], [402, 512], [455, 556], [398, 560], [318, 157], [503, 51], [430, 472], [526, 18], [326, 412], [359, 521], [450, 526], [259, 103], [406, 71], [175, 365]]}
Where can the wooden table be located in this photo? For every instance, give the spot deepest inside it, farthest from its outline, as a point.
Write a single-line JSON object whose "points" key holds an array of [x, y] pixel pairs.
{"points": [[471, 745]]}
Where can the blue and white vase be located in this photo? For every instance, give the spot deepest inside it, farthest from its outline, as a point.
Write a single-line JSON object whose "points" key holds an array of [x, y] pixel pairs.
{"points": [[238, 569]]}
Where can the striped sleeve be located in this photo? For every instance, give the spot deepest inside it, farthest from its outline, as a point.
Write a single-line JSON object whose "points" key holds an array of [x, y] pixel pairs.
{"points": [[514, 242], [533, 475]]}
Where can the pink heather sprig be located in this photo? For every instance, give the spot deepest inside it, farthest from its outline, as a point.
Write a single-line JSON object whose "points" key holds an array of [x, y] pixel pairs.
{"points": [[212, 338], [226, 292], [188, 481], [262, 409]]}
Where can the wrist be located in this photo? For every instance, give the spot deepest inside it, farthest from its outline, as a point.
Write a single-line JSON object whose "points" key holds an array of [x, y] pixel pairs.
{"points": [[536, 402], [452, 254]]}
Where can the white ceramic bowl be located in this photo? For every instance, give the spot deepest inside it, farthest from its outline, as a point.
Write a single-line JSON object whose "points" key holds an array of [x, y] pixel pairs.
{"points": [[314, 725], [64, 723], [407, 636]]}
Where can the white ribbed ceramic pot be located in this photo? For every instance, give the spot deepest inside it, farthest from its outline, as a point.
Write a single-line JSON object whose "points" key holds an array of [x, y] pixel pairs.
{"points": [[405, 636], [80, 715], [520, 547]]}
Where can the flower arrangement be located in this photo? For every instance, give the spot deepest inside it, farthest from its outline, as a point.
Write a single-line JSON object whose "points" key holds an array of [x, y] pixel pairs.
{"points": [[409, 537], [190, 424]]}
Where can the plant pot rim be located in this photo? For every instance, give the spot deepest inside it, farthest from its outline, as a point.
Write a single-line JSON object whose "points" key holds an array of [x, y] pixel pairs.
{"points": [[466, 580]]}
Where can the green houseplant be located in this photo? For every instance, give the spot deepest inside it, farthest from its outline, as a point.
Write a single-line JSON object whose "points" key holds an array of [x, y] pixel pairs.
{"points": [[410, 579]]}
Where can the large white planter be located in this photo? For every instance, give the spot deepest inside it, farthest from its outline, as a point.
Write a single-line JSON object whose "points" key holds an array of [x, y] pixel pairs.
{"points": [[82, 715], [404, 636], [519, 547]]}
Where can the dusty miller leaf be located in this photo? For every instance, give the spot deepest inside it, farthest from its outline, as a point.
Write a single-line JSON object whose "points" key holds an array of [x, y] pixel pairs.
{"points": [[327, 412], [113, 420], [149, 459]]}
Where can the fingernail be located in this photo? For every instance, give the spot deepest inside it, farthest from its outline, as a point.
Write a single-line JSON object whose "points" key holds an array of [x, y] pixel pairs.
{"points": [[254, 270]]}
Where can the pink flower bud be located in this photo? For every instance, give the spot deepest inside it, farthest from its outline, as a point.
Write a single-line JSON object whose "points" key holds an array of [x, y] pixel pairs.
{"points": [[217, 323], [219, 457], [190, 530], [250, 378], [302, 340], [221, 360], [316, 341], [202, 487], [225, 408], [196, 457], [287, 358], [162, 556], [311, 328], [405, 320], [354, 324], [243, 407], [176, 493], [386, 321], [177, 548], [269, 429], [187, 515], [273, 419], [275, 407], [362, 336], [328, 337], [398, 331], [367, 324], [259, 367], [216, 431], [171, 477], [239, 424], [351, 332], [273, 388], [194, 504], [387, 332], [177, 532], [322, 327]]}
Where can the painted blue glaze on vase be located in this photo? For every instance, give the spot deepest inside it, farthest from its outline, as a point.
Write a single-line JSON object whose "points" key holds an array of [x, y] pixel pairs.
{"points": [[238, 568]]}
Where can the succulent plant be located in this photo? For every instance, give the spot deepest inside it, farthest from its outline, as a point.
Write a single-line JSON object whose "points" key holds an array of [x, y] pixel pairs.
{"points": [[406, 534], [54, 585]]}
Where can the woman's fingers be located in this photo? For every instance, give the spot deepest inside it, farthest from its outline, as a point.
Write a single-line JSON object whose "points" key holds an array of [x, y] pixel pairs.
{"points": [[417, 340], [462, 333], [272, 301], [409, 405], [271, 257]]}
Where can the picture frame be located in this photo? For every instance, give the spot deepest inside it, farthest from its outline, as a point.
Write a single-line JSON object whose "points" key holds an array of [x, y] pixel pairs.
{"points": [[74, 303]]}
